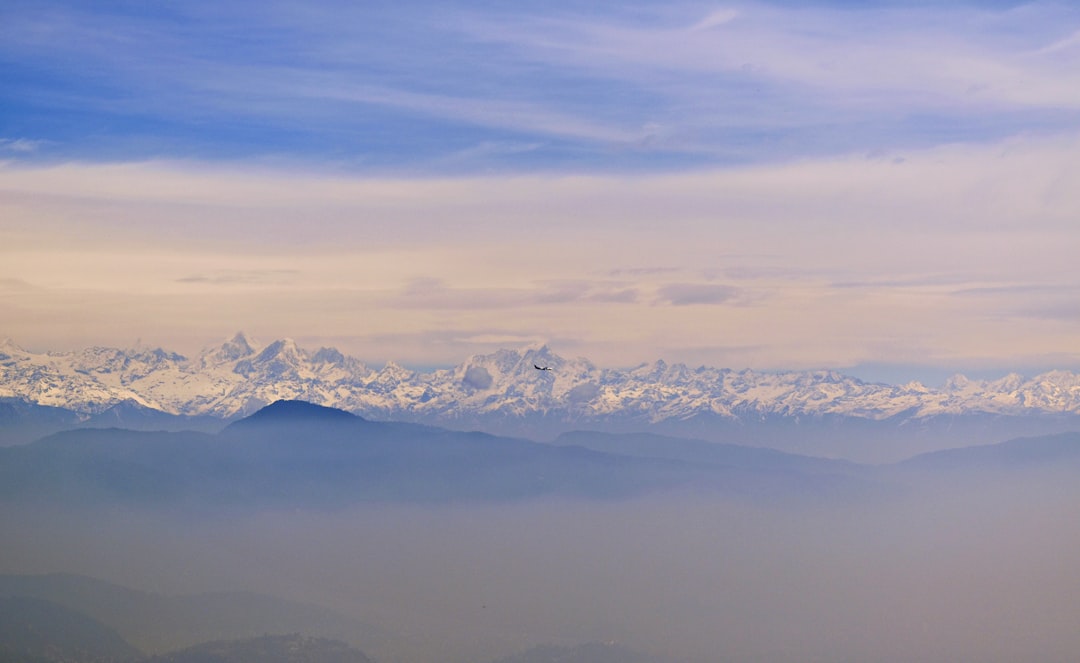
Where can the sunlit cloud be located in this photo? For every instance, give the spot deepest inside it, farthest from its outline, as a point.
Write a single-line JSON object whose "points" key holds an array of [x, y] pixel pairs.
{"points": [[643, 271], [275, 277], [688, 294], [435, 294]]}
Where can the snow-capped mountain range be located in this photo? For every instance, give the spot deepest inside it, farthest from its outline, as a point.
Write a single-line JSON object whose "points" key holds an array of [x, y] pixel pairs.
{"points": [[241, 376]]}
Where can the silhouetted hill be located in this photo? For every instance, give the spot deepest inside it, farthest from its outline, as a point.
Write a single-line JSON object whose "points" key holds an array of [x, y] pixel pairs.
{"points": [[650, 445], [314, 455], [294, 454], [158, 623], [760, 473], [301, 455], [20, 411], [89, 466], [267, 649], [291, 412], [36, 630], [587, 653], [22, 421], [1060, 451], [134, 416]]}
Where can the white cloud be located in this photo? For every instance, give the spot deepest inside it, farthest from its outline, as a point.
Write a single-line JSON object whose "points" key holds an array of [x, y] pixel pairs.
{"points": [[689, 294]]}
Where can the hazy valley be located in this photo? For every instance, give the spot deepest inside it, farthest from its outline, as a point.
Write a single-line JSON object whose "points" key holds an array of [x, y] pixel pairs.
{"points": [[408, 543]]}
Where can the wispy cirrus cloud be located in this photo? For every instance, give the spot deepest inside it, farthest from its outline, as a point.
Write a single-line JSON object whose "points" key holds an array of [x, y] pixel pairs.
{"points": [[613, 86], [20, 145], [875, 55], [889, 74]]}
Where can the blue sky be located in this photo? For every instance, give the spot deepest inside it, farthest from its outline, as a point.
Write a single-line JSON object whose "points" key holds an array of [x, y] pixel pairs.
{"points": [[787, 184]]}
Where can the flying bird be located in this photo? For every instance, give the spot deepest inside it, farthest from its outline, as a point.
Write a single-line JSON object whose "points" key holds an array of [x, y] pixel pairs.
{"points": [[543, 368]]}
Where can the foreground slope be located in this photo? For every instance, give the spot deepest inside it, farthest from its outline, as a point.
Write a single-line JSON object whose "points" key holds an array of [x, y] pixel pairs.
{"points": [[159, 623], [37, 631], [293, 648], [587, 653]]}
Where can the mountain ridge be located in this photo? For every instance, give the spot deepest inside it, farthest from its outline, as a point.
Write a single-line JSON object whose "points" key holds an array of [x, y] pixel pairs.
{"points": [[499, 390], [502, 393]]}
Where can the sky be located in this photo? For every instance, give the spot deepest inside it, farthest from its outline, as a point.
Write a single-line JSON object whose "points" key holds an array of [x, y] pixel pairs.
{"points": [[891, 189]]}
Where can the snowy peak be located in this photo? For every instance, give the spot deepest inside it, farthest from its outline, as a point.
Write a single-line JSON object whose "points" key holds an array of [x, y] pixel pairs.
{"points": [[542, 356], [236, 348], [283, 350], [957, 382], [509, 380], [500, 367], [129, 365], [328, 356], [240, 343], [660, 372], [506, 363], [279, 359]]}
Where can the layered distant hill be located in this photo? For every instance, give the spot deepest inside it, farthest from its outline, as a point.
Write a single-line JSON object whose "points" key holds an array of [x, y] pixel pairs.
{"points": [[293, 453], [503, 393]]}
